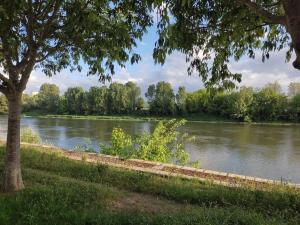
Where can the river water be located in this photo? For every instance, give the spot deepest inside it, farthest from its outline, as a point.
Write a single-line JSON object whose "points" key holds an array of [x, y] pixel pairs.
{"points": [[269, 151]]}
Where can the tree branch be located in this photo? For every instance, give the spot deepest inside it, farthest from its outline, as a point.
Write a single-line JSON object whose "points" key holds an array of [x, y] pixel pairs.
{"points": [[48, 23], [48, 52], [26, 74], [258, 26], [3, 89], [4, 78], [7, 81], [259, 10], [7, 54]]}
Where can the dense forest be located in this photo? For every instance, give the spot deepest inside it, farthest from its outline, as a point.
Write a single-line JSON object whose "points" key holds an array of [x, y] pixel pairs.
{"points": [[244, 104]]}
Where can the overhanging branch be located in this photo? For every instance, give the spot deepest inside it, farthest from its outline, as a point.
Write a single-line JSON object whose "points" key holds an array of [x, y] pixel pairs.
{"points": [[4, 78], [259, 10], [7, 81]]}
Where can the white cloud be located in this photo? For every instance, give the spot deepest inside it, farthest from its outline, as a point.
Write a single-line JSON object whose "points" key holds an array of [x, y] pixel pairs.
{"points": [[255, 73], [124, 76], [64, 80]]}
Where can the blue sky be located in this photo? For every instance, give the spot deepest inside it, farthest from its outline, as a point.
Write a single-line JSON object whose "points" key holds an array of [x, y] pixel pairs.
{"points": [[255, 72]]}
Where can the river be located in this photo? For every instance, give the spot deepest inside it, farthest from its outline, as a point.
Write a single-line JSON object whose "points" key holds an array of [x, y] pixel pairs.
{"points": [[268, 151]]}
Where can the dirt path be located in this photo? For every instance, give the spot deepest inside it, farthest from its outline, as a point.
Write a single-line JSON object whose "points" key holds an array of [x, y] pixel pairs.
{"points": [[146, 203]]}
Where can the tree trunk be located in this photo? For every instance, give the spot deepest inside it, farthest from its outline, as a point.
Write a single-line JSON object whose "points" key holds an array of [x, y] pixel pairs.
{"points": [[292, 11], [12, 171]]}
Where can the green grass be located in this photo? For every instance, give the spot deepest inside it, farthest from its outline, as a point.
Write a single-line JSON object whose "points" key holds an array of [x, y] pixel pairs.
{"points": [[192, 117], [196, 117], [62, 191]]}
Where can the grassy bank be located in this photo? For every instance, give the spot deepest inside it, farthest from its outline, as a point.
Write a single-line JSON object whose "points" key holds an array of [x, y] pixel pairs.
{"points": [[62, 191]]}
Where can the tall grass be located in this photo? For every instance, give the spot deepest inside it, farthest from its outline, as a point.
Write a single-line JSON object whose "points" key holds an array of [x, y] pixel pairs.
{"points": [[29, 136]]}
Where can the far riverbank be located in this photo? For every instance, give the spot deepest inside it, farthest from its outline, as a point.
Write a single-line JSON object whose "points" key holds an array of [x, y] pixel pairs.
{"points": [[190, 118]]}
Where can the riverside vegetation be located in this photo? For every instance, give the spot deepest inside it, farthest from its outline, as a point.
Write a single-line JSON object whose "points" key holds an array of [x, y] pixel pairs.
{"points": [[165, 144], [99, 36], [246, 104], [63, 191]]}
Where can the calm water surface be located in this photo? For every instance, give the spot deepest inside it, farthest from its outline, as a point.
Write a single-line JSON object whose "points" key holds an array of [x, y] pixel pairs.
{"points": [[269, 151]]}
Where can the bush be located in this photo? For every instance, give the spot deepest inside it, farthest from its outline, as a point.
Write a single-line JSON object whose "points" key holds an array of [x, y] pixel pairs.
{"points": [[86, 147], [29, 136], [164, 144]]}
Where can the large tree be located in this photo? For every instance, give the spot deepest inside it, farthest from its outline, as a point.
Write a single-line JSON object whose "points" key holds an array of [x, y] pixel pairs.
{"points": [[133, 95], [211, 33], [117, 98], [53, 35], [161, 99], [75, 100], [48, 98], [181, 97], [97, 100]]}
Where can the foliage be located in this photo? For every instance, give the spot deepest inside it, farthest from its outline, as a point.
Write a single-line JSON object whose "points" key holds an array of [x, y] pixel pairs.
{"points": [[212, 33], [164, 144], [29, 136], [121, 145], [181, 97], [267, 105], [117, 99], [74, 100], [62, 105], [246, 104], [294, 108], [161, 99], [133, 93], [98, 33], [55, 35], [294, 89], [234, 105], [48, 98], [3, 104], [199, 101], [274, 87], [30, 103], [98, 100]]}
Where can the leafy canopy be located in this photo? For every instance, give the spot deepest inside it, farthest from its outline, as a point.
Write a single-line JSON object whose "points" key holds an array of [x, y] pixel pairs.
{"points": [[56, 34], [211, 33]]}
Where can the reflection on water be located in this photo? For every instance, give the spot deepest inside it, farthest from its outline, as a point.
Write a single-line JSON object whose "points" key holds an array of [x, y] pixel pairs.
{"points": [[270, 151]]}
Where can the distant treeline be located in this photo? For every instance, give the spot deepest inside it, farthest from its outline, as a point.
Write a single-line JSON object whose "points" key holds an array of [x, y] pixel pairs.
{"points": [[246, 104]]}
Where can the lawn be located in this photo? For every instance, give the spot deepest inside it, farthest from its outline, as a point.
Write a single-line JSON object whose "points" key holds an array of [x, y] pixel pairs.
{"points": [[62, 191]]}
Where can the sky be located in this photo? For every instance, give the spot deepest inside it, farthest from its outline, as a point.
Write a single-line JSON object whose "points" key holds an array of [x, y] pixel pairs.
{"points": [[255, 72]]}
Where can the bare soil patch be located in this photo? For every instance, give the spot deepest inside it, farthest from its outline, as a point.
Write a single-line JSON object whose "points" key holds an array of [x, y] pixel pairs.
{"points": [[146, 203]]}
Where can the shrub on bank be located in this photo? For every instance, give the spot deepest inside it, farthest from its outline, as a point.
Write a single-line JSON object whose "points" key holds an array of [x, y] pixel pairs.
{"points": [[164, 144], [29, 136]]}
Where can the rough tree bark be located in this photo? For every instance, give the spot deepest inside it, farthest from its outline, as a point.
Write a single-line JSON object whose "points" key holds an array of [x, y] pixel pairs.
{"points": [[12, 172], [292, 11]]}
